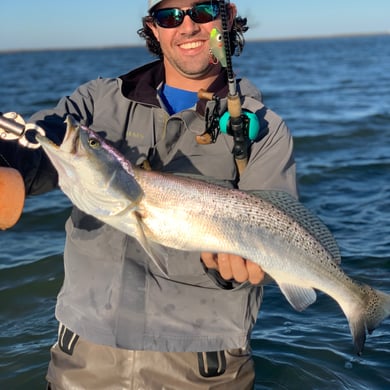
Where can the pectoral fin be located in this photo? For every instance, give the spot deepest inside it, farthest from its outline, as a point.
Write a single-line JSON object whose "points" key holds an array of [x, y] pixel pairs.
{"points": [[298, 297], [156, 252]]}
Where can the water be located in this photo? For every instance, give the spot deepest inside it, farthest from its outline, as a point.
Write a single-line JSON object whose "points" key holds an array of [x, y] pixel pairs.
{"points": [[335, 96]]}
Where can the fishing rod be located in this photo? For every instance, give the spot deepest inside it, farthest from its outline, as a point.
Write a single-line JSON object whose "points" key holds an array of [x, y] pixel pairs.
{"points": [[234, 102], [235, 123]]}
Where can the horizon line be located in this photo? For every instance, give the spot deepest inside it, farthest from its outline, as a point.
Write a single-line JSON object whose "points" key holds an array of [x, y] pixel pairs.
{"points": [[119, 46]]}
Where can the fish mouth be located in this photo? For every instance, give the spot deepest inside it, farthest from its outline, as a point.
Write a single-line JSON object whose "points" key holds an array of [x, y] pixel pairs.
{"points": [[72, 135], [70, 141], [62, 156], [46, 142]]}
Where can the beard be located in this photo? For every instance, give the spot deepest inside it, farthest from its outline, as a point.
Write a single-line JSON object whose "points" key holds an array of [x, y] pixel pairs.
{"points": [[190, 66]]}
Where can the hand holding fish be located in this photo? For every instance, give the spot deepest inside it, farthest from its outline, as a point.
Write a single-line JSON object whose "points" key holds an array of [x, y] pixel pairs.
{"points": [[233, 267]]}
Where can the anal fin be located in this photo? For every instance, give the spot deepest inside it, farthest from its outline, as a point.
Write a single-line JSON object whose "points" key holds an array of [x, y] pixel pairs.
{"points": [[298, 297]]}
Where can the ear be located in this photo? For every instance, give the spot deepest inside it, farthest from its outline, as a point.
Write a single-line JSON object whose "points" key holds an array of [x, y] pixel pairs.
{"points": [[154, 29]]}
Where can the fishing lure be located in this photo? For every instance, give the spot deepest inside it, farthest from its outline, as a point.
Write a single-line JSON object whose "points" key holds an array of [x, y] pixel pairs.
{"points": [[217, 47]]}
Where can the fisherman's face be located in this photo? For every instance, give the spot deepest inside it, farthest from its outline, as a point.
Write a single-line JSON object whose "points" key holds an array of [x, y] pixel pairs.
{"points": [[186, 47]]}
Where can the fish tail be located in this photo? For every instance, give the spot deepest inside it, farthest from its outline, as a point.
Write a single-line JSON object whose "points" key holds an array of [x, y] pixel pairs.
{"points": [[374, 308]]}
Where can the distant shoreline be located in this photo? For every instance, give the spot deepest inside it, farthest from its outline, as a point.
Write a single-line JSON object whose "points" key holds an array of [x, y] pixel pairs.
{"points": [[324, 36], [278, 39]]}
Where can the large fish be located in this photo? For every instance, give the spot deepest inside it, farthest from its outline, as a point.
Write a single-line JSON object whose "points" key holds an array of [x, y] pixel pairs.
{"points": [[161, 210]]}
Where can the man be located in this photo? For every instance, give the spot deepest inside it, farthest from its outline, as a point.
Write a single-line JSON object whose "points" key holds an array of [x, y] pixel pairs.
{"points": [[124, 325]]}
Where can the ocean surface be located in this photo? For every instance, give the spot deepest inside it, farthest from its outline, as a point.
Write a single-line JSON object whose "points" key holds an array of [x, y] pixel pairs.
{"points": [[334, 94]]}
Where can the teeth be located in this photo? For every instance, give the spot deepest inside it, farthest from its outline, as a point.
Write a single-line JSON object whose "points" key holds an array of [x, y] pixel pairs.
{"points": [[191, 45]]}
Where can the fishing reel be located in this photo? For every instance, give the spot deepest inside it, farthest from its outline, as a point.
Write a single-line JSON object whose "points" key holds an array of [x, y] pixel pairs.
{"points": [[215, 123], [251, 125]]}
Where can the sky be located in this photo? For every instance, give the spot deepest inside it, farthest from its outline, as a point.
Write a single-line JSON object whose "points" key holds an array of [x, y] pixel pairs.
{"points": [[42, 24]]}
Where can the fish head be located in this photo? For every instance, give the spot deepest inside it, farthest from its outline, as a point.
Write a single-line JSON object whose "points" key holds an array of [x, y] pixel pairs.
{"points": [[96, 177]]}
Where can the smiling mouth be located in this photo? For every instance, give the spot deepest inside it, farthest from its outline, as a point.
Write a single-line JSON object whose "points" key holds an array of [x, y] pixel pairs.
{"points": [[191, 45]]}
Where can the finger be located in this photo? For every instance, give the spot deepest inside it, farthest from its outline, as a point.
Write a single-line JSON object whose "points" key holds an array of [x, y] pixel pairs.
{"points": [[256, 274], [239, 270], [224, 266], [209, 260]]}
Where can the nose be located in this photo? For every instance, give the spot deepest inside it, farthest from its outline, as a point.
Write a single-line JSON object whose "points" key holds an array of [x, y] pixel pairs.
{"points": [[188, 25]]}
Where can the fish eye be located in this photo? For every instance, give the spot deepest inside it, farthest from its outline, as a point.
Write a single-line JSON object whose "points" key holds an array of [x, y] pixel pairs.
{"points": [[94, 143]]}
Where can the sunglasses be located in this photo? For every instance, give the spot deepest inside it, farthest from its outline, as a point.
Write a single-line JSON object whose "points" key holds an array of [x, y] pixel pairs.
{"points": [[173, 17]]}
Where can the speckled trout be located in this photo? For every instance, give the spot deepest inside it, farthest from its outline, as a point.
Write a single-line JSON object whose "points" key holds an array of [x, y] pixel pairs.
{"points": [[162, 210]]}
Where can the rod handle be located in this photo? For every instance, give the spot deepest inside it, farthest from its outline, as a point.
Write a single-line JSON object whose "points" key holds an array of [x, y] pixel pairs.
{"points": [[203, 94]]}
